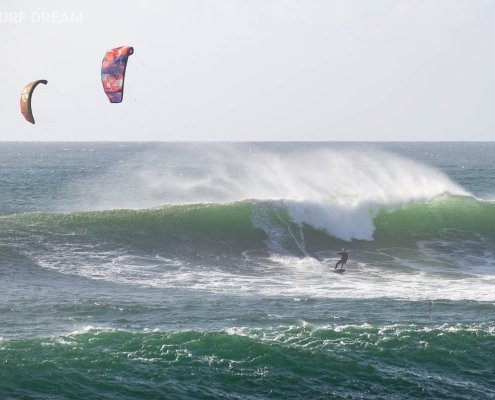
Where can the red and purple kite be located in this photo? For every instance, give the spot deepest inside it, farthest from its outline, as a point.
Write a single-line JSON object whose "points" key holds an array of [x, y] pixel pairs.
{"points": [[113, 72]]}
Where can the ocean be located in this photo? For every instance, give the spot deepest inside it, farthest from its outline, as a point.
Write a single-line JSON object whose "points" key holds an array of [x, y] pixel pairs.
{"points": [[205, 270]]}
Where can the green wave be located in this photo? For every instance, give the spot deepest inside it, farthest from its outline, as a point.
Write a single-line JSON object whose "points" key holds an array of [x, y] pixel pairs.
{"points": [[277, 362], [424, 219], [245, 225]]}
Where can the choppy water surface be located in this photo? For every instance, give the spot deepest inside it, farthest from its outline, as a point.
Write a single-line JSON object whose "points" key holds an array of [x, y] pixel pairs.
{"points": [[196, 270]]}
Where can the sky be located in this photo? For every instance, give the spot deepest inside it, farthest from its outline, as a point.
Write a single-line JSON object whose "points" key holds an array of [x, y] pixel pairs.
{"points": [[252, 70]]}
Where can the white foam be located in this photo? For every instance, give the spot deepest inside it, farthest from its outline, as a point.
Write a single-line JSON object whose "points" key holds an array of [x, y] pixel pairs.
{"points": [[336, 191], [287, 276]]}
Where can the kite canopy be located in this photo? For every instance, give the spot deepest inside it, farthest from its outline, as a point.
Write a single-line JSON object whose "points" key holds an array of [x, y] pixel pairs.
{"points": [[113, 72], [26, 95]]}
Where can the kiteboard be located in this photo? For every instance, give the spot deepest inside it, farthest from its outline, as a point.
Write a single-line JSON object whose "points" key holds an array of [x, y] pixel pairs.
{"points": [[338, 270]]}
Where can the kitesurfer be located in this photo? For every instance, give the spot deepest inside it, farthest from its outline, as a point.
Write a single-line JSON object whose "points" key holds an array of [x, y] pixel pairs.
{"points": [[343, 258]]}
